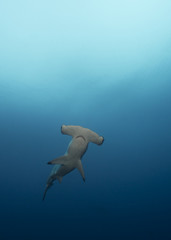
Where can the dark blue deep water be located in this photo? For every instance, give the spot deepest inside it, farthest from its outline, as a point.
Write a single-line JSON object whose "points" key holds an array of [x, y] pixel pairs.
{"points": [[104, 65]]}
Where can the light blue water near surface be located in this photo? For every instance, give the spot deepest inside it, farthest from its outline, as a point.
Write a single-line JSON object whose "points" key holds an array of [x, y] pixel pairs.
{"points": [[105, 65]]}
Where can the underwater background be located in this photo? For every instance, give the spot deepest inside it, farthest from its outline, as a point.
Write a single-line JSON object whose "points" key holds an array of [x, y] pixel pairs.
{"points": [[104, 65]]}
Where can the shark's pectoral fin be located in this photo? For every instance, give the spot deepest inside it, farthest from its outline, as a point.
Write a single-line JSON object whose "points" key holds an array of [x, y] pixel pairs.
{"points": [[79, 166], [61, 160]]}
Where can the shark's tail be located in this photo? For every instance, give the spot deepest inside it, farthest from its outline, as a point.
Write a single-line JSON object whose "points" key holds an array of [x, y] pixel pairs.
{"points": [[47, 187], [44, 195], [51, 179]]}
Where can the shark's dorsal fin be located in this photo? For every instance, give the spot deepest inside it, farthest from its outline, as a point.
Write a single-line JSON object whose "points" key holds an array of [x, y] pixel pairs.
{"points": [[60, 160], [79, 166]]}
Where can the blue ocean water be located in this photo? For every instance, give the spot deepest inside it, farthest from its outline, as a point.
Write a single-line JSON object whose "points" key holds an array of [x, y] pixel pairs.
{"points": [[104, 65]]}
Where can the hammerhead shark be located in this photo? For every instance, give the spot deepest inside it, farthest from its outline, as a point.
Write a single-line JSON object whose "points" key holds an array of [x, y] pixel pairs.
{"points": [[72, 158]]}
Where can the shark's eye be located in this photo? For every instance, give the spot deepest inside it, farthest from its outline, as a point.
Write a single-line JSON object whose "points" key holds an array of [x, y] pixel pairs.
{"points": [[101, 140], [62, 128]]}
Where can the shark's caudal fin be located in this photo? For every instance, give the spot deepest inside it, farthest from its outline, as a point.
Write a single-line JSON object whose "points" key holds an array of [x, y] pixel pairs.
{"points": [[52, 177], [47, 187], [79, 166], [60, 160]]}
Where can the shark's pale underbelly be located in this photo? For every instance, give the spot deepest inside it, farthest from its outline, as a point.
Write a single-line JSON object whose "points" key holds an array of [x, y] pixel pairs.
{"points": [[77, 147]]}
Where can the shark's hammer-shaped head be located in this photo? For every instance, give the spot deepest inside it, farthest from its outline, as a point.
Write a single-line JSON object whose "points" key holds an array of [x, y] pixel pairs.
{"points": [[86, 133]]}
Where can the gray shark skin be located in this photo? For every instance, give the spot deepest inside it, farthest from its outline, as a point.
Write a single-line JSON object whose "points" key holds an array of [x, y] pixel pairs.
{"points": [[72, 158]]}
